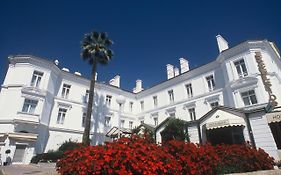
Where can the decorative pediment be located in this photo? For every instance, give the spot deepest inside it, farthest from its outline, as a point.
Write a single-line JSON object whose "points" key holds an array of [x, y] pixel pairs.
{"points": [[189, 105], [154, 114], [243, 82], [64, 105], [171, 110], [212, 98]]}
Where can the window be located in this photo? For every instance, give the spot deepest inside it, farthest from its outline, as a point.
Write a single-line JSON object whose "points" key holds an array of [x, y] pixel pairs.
{"points": [[36, 79], [189, 90], [130, 124], [192, 115], [241, 68], [65, 91], [107, 121], [249, 97], [155, 121], [122, 123], [29, 106], [214, 104], [155, 101], [83, 119], [108, 100], [131, 106], [61, 115], [142, 105], [211, 82], [171, 95], [86, 98]]}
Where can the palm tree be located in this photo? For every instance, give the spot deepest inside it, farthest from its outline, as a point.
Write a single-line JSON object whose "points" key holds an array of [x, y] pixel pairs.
{"points": [[94, 50]]}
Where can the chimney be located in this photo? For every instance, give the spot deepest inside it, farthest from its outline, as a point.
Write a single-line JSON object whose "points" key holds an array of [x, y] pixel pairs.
{"points": [[170, 71], [65, 69], [115, 81], [77, 73], [56, 62], [177, 71], [184, 65], [138, 87], [222, 43]]}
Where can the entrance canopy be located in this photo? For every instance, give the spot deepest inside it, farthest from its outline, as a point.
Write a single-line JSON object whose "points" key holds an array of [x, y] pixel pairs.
{"points": [[221, 117], [224, 123]]}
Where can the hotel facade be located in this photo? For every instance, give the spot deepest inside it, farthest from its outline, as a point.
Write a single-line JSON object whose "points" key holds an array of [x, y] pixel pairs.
{"points": [[233, 99]]}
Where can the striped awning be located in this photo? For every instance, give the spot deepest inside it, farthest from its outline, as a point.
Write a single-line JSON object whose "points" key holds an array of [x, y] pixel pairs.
{"points": [[273, 117], [225, 123]]}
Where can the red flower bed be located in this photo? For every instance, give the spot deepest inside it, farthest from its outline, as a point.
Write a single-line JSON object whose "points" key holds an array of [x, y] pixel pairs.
{"points": [[139, 156], [125, 156], [242, 158]]}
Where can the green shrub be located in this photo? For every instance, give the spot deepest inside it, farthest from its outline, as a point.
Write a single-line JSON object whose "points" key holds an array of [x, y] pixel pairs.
{"points": [[53, 156], [69, 145]]}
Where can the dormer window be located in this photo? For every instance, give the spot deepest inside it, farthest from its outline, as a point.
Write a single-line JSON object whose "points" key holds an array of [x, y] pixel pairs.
{"points": [[241, 68]]}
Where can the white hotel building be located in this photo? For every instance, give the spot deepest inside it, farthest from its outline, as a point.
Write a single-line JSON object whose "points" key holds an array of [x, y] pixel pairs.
{"points": [[42, 104]]}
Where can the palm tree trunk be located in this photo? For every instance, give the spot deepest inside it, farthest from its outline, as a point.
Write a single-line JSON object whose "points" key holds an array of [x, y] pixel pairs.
{"points": [[86, 134]]}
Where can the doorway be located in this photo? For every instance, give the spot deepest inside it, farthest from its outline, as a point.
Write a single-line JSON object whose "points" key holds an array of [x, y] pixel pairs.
{"points": [[226, 135], [19, 153]]}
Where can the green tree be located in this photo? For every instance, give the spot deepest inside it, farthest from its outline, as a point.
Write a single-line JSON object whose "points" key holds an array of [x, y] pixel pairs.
{"points": [[175, 130], [95, 49]]}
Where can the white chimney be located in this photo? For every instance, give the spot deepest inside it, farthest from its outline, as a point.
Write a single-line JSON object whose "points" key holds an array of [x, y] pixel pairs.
{"points": [[77, 73], [170, 71], [177, 71], [138, 87], [115, 81], [222, 43], [65, 69], [184, 65], [56, 62]]}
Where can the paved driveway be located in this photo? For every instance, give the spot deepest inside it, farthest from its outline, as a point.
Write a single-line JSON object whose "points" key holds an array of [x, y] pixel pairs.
{"points": [[39, 169]]}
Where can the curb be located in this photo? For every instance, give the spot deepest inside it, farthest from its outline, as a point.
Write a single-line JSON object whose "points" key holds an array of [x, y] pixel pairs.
{"points": [[2, 172]]}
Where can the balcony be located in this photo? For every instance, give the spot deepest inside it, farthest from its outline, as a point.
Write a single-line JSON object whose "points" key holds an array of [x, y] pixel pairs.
{"points": [[23, 117], [33, 91]]}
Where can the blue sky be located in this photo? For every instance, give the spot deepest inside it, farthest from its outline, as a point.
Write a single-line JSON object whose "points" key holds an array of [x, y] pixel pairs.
{"points": [[147, 34]]}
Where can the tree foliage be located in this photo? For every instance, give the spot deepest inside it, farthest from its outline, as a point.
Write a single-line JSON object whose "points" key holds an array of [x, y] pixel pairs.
{"points": [[175, 129], [94, 49]]}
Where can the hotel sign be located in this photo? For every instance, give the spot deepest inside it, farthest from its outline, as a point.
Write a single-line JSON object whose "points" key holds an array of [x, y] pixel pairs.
{"points": [[273, 117], [266, 81], [217, 124]]}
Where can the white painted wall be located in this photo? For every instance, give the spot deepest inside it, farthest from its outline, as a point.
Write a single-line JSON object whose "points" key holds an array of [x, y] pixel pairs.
{"points": [[227, 92]]}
